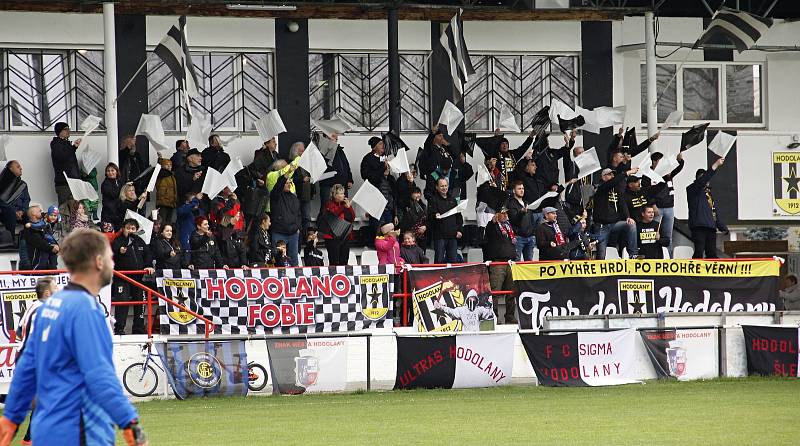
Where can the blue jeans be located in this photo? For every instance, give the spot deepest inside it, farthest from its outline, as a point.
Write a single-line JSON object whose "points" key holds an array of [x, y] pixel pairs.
{"points": [[524, 247], [291, 245], [613, 232], [446, 250], [667, 219]]}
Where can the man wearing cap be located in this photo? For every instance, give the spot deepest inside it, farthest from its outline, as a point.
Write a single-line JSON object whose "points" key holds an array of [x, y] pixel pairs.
{"points": [[524, 221], [635, 197], [499, 247], [375, 169], [550, 239], [662, 195], [446, 231], [611, 218], [435, 160], [704, 219], [214, 155], [190, 178], [179, 157], [62, 153]]}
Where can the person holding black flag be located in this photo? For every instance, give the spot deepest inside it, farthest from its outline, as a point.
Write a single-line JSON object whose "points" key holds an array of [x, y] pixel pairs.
{"points": [[336, 225]]}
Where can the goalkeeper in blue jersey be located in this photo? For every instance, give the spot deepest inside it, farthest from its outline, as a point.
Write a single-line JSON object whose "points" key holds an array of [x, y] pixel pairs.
{"points": [[67, 363]]}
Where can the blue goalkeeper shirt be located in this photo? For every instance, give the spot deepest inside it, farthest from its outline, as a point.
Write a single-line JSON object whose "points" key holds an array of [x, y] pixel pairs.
{"points": [[67, 365]]}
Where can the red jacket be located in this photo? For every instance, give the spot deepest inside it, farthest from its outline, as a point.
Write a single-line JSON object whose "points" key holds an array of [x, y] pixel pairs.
{"points": [[341, 212]]}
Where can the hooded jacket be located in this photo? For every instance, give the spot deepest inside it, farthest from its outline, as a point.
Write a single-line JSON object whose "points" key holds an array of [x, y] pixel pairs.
{"points": [[62, 153]]}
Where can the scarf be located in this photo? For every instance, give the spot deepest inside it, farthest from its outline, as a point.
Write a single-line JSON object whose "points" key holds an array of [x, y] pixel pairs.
{"points": [[507, 230], [710, 201], [559, 235]]}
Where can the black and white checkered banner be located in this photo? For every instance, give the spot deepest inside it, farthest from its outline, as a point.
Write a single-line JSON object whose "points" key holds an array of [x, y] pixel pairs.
{"points": [[278, 301]]}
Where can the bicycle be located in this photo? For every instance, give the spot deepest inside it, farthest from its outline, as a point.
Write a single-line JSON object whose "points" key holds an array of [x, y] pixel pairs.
{"points": [[140, 378]]}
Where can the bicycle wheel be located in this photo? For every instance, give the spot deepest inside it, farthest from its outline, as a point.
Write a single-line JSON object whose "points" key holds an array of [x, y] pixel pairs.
{"points": [[258, 377], [139, 380]]}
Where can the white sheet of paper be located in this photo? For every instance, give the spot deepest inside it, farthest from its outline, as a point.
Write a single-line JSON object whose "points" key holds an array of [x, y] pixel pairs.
{"points": [[483, 174], [722, 143], [559, 108], [270, 125], [88, 159], [4, 140], [650, 173], [151, 185], [150, 127], [672, 120], [666, 164], [327, 175], [199, 129], [508, 123], [370, 199], [145, 225], [451, 116], [459, 208], [538, 202], [608, 116], [88, 125], [313, 162], [334, 125], [213, 183], [399, 164], [591, 123], [588, 162], [81, 190]]}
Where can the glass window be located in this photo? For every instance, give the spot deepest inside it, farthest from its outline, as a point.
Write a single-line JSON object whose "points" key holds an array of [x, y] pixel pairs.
{"points": [[38, 89], [477, 103], [701, 94], [743, 94], [667, 103], [90, 89]]}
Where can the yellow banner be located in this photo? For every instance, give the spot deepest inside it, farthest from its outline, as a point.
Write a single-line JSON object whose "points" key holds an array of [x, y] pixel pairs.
{"points": [[648, 268]]}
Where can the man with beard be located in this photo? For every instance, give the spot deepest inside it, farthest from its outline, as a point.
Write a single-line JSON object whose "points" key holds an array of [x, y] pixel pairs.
{"points": [[190, 177], [67, 364], [131, 164]]}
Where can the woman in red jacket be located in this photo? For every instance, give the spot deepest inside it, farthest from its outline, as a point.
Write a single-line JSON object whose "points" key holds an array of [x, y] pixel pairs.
{"points": [[336, 226]]}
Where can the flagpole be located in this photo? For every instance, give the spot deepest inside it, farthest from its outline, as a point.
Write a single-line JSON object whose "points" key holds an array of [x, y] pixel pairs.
{"points": [[125, 88]]}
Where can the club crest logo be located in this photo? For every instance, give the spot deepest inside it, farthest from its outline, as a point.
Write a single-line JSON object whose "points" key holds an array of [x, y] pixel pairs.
{"points": [[204, 370], [676, 359], [374, 296], [635, 296], [786, 183], [306, 368], [14, 305], [182, 291]]}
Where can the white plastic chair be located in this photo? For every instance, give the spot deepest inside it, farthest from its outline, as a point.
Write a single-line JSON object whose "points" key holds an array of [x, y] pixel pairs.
{"points": [[352, 260], [369, 257], [612, 253], [475, 255], [683, 252]]}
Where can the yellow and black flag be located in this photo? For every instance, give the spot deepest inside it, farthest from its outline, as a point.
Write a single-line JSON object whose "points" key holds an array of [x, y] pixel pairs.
{"points": [[786, 180]]}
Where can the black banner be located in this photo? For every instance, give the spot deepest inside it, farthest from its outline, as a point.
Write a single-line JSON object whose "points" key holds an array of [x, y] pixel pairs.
{"points": [[554, 359], [771, 350], [657, 343], [425, 363], [644, 286]]}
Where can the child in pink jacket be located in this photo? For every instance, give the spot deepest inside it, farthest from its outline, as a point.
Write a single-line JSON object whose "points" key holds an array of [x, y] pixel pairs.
{"points": [[387, 246]]}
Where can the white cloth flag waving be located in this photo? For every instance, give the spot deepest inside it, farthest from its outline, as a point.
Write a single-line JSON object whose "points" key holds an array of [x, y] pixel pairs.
{"points": [[151, 128], [672, 120], [313, 162], [270, 125], [538, 202], [558, 108], [666, 164], [81, 190], [145, 226], [335, 125], [588, 162], [399, 164], [457, 209], [483, 174], [214, 183], [645, 170], [233, 167], [4, 139], [153, 178], [88, 125], [370, 199], [199, 129], [88, 159], [722, 143], [451, 116], [508, 123]]}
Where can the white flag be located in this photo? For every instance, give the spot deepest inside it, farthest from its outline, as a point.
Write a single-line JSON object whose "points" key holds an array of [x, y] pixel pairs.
{"points": [[667, 164], [4, 140], [81, 190], [451, 116], [153, 178], [270, 125], [199, 129], [213, 183], [335, 125], [508, 123], [150, 127], [399, 164], [145, 226], [646, 171], [538, 202], [672, 120], [722, 143], [313, 162], [588, 163], [88, 159], [370, 199], [599, 118], [483, 174], [88, 125], [558, 108], [229, 174], [457, 209]]}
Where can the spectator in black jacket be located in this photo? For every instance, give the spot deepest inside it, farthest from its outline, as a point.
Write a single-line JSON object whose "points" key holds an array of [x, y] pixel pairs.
{"points": [[204, 250], [305, 189], [410, 252], [524, 222], [507, 159], [179, 157], [625, 143], [547, 158], [131, 164], [231, 242], [62, 153], [41, 246], [551, 239], [405, 184], [109, 191], [166, 249], [635, 197], [445, 232], [130, 253], [214, 155], [704, 219], [312, 256], [259, 249], [341, 166], [611, 218], [263, 159], [662, 195], [647, 235], [435, 161], [190, 177], [463, 172], [375, 169], [500, 239], [415, 218], [14, 196], [286, 219]]}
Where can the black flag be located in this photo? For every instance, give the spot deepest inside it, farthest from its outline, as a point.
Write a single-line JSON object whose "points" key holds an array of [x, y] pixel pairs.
{"points": [[541, 120], [694, 136], [569, 124], [392, 144]]}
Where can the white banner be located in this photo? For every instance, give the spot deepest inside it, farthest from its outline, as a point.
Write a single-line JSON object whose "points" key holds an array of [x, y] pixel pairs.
{"points": [[484, 360], [605, 358], [322, 365]]}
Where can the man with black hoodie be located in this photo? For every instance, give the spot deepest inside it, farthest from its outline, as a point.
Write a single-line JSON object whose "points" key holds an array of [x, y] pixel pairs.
{"points": [[662, 195], [611, 218], [62, 153], [445, 232], [524, 222], [704, 220], [500, 240], [130, 253]]}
